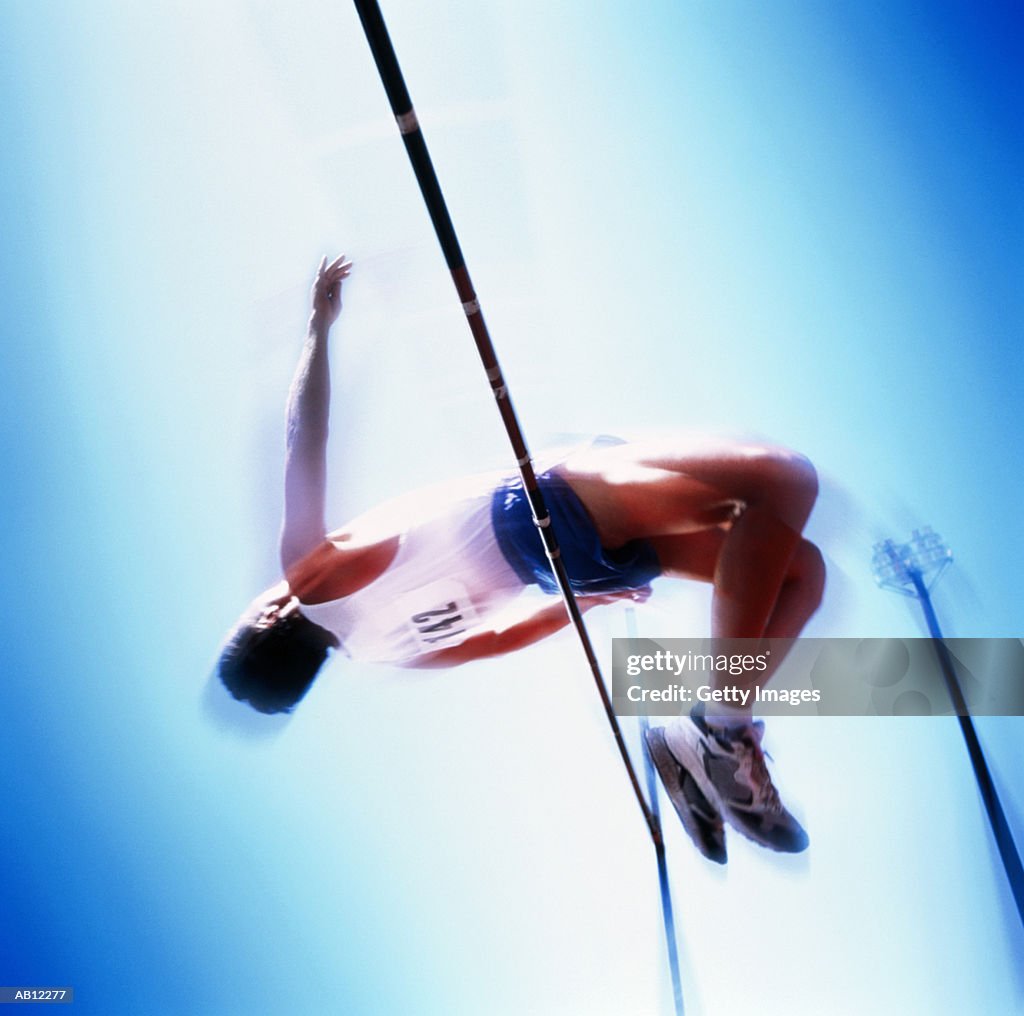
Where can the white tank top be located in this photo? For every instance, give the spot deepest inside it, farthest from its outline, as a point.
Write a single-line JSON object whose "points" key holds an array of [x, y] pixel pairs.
{"points": [[447, 577]]}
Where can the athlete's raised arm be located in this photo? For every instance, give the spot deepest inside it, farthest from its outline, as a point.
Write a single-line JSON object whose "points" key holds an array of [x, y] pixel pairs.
{"points": [[309, 405]]}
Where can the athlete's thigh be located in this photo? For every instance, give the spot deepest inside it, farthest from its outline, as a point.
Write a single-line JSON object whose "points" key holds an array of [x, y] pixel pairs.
{"points": [[741, 469], [689, 556], [655, 488]]}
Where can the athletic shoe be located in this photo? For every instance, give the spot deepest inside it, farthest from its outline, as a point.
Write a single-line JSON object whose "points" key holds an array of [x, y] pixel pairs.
{"points": [[729, 767], [701, 819]]}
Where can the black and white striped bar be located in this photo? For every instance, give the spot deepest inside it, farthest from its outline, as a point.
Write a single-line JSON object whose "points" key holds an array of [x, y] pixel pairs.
{"points": [[416, 148]]}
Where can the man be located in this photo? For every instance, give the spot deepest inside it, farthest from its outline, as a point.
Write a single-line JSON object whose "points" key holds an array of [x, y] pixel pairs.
{"points": [[420, 580]]}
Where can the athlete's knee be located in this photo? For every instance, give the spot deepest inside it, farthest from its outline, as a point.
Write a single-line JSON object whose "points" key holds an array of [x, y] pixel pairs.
{"points": [[786, 477], [796, 471], [808, 568]]}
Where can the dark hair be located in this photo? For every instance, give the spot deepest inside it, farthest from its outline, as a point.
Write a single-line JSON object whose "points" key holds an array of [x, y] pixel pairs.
{"points": [[273, 666]]}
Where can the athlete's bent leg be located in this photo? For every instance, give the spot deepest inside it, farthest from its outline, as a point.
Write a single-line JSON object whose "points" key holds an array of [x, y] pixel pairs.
{"points": [[741, 506]]}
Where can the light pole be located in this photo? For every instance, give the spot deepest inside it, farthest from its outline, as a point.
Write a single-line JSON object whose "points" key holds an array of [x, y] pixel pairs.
{"points": [[911, 569]]}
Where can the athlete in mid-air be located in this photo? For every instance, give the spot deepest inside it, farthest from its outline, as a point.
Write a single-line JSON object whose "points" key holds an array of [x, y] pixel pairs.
{"points": [[419, 580]]}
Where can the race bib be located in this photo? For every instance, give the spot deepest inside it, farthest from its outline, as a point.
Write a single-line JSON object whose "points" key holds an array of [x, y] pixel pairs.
{"points": [[439, 614]]}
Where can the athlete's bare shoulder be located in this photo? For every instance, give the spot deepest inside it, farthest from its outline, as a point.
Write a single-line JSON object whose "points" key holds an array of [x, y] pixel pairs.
{"points": [[339, 567], [357, 553]]}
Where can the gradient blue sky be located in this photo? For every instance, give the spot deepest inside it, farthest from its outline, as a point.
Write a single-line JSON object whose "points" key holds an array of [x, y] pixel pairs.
{"points": [[800, 221]]}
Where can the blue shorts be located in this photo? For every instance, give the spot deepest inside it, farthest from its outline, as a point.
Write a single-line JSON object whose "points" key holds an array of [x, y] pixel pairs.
{"points": [[591, 568]]}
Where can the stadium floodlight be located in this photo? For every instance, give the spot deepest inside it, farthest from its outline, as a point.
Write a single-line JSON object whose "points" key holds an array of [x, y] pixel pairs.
{"points": [[911, 569], [899, 567]]}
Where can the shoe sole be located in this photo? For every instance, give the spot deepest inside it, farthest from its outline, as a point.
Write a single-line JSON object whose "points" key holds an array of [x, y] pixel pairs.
{"points": [[708, 835]]}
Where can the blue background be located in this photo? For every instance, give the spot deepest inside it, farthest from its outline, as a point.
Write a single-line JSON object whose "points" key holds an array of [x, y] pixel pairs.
{"points": [[795, 221]]}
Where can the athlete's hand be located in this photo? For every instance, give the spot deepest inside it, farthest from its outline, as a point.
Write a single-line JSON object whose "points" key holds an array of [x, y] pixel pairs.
{"points": [[327, 291]]}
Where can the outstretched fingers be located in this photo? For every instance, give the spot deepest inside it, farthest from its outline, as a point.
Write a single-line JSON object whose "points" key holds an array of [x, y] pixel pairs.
{"points": [[327, 288], [337, 271]]}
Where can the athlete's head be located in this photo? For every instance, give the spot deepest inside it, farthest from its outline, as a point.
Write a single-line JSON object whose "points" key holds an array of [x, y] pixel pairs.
{"points": [[273, 655]]}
